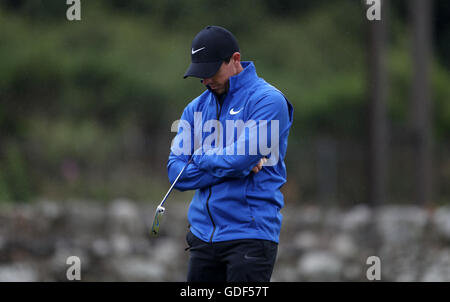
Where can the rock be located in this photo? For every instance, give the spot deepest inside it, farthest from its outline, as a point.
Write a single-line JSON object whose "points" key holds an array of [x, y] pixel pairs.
{"points": [[139, 269], [284, 274], [344, 246], [101, 248], [333, 219], [18, 272], [356, 218], [353, 272], [124, 216], [83, 217], [302, 218], [400, 225], [441, 222], [439, 270], [121, 245], [319, 266], [306, 240], [167, 252], [48, 209]]}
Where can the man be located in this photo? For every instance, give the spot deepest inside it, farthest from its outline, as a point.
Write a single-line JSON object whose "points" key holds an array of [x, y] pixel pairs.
{"points": [[234, 215]]}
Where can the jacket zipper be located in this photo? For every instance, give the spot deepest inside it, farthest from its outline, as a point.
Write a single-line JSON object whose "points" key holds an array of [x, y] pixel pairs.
{"points": [[210, 216], [219, 110]]}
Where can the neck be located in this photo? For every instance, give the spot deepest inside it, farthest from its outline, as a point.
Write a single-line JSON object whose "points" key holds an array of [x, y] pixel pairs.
{"points": [[239, 69]]}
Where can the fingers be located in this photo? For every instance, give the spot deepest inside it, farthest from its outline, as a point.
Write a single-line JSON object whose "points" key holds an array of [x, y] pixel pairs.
{"points": [[259, 165], [257, 168]]}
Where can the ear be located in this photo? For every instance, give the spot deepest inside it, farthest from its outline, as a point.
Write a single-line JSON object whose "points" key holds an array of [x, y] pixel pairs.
{"points": [[236, 57]]}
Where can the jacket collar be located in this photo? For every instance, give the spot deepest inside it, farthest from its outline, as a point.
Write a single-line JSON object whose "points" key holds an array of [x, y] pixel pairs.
{"points": [[244, 77]]}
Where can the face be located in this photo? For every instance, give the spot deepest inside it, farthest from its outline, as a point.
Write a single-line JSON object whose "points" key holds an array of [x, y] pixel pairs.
{"points": [[218, 83]]}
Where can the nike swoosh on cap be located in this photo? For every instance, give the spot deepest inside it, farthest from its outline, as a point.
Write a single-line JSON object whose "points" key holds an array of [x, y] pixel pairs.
{"points": [[232, 112], [197, 50]]}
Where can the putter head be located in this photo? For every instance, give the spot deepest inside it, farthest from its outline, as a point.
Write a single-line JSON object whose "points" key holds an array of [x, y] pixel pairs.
{"points": [[156, 221]]}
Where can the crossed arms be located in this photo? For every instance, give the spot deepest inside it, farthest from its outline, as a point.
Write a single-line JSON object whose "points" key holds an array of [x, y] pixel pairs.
{"points": [[213, 167]]}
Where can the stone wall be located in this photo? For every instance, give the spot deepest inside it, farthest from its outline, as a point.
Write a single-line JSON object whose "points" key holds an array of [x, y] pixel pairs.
{"points": [[113, 242]]}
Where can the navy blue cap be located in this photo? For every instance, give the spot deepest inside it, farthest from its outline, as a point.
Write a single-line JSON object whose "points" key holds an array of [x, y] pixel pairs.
{"points": [[210, 47]]}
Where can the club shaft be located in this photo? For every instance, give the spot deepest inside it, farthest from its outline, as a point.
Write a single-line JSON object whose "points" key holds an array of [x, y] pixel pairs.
{"points": [[174, 183]]}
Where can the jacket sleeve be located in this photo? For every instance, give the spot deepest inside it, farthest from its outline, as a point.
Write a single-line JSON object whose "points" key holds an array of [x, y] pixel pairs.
{"points": [[227, 162], [192, 178]]}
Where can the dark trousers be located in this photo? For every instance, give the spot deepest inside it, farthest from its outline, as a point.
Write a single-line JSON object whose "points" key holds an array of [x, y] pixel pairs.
{"points": [[244, 260]]}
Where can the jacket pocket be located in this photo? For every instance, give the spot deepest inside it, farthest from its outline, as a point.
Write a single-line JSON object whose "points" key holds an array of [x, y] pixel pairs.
{"points": [[229, 205]]}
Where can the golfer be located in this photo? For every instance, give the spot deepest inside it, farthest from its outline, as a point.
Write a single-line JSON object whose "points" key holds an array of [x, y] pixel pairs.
{"points": [[234, 216]]}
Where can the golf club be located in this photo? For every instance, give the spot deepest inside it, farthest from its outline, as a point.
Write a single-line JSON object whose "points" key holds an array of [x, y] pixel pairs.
{"points": [[160, 209]]}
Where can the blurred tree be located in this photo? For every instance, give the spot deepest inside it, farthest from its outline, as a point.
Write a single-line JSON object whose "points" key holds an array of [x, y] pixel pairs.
{"points": [[421, 98], [285, 8], [103, 92], [377, 89], [441, 33]]}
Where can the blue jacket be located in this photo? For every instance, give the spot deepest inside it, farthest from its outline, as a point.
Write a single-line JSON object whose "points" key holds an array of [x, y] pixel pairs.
{"points": [[231, 202]]}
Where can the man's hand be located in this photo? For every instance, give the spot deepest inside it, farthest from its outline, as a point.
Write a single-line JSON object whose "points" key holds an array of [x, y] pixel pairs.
{"points": [[259, 165]]}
